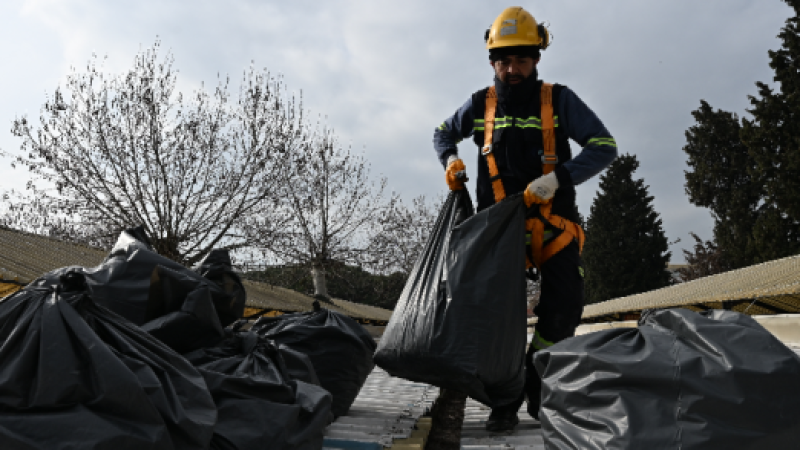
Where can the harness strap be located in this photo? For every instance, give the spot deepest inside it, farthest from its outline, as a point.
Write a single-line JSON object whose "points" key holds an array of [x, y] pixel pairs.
{"points": [[541, 251], [488, 128], [570, 231], [549, 158]]}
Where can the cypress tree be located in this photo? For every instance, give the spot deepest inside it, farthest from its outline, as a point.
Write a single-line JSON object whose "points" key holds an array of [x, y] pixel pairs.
{"points": [[773, 138], [721, 179], [626, 250]]}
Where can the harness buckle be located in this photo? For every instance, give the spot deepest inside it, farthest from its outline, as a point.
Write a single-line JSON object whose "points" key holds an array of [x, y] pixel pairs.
{"points": [[549, 159], [486, 150]]}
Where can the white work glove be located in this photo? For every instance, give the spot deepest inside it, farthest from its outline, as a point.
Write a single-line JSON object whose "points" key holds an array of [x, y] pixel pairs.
{"points": [[541, 190]]}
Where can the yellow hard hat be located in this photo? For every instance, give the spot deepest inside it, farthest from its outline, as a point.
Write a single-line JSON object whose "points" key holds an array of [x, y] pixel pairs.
{"points": [[515, 27]]}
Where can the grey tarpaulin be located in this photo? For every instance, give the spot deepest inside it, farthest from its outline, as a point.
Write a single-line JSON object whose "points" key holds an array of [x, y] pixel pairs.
{"points": [[712, 380], [260, 405], [460, 321], [338, 347], [75, 375]]}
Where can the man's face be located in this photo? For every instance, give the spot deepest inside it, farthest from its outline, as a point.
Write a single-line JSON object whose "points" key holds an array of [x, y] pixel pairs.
{"points": [[513, 69]]}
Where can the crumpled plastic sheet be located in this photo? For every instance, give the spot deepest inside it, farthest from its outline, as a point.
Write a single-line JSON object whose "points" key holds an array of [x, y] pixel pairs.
{"points": [[262, 403], [711, 380]]}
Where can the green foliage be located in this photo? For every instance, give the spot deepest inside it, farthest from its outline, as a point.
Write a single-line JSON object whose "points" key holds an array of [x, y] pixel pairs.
{"points": [[626, 249], [721, 179], [344, 281], [748, 175], [773, 138]]}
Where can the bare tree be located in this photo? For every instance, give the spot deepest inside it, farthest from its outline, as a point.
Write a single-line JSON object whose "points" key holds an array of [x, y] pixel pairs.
{"points": [[334, 211], [404, 234], [115, 151]]}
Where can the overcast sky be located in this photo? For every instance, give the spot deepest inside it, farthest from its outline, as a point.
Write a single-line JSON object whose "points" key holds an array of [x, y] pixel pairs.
{"points": [[386, 73]]}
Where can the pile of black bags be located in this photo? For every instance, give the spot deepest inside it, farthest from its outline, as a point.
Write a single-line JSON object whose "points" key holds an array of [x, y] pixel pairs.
{"points": [[76, 375], [143, 353]]}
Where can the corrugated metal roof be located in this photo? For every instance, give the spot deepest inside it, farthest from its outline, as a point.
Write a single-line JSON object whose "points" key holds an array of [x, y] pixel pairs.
{"points": [[386, 411], [25, 256], [365, 311], [266, 296], [767, 288], [526, 436], [8, 288]]}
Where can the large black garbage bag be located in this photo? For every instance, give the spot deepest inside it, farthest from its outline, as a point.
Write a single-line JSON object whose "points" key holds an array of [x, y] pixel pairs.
{"points": [[122, 283], [339, 349], [713, 380], [186, 318], [260, 405], [460, 321], [74, 375], [217, 267]]}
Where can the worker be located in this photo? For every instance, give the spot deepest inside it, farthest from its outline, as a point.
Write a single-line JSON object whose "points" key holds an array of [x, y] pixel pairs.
{"points": [[524, 147]]}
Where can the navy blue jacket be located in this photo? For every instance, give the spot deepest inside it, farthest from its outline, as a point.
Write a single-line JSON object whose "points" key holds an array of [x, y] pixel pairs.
{"points": [[517, 150]]}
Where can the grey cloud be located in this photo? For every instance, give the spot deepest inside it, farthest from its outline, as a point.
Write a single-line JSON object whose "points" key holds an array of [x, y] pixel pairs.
{"points": [[386, 73]]}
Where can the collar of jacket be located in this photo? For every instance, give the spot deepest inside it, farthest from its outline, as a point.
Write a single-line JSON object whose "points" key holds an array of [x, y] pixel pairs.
{"points": [[517, 94]]}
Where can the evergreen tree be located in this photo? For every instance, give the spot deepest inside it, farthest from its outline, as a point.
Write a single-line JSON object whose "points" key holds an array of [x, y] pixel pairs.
{"points": [[626, 251], [773, 138], [721, 179]]}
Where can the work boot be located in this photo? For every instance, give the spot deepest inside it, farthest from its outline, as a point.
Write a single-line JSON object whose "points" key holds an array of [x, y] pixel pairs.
{"points": [[533, 411], [502, 420], [534, 406]]}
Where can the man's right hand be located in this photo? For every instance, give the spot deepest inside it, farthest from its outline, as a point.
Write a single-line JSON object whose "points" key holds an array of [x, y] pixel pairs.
{"points": [[454, 166]]}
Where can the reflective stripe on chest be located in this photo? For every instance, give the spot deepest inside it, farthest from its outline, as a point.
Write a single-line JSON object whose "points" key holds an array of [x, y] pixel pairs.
{"points": [[511, 121]]}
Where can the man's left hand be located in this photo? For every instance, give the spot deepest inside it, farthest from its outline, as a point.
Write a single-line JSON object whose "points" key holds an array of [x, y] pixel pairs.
{"points": [[541, 190]]}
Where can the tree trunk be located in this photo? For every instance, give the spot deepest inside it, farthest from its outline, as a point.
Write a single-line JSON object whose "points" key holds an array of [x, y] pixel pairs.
{"points": [[447, 418], [320, 287]]}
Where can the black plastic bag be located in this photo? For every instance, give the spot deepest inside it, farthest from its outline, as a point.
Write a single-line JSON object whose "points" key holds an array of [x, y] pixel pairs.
{"points": [[460, 321], [75, 375], [260, 404], [711, 380], [217, 267], [339, 349], [122, 283], [190, 320]]}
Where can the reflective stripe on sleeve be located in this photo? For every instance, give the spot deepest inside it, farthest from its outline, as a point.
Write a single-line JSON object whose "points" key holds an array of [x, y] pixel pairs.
{"points": [[603, 141]]}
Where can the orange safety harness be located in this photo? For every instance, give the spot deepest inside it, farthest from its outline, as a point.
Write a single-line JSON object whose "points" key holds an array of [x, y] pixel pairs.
{"points": [[539, 251]]}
